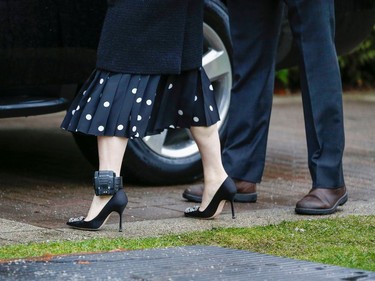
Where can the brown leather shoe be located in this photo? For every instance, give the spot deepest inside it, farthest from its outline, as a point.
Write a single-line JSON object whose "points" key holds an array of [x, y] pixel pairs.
{"points": [[246, 192], [322, 201]]}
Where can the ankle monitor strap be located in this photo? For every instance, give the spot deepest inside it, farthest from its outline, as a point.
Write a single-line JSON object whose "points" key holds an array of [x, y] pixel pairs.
{"points": [[106, 183]]}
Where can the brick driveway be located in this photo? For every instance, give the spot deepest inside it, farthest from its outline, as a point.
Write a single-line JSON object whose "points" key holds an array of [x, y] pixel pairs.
{"points": [[44, 179]]}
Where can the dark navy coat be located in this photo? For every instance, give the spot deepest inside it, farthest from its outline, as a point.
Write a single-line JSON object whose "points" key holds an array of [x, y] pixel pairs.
{"points": [[152, 36]]}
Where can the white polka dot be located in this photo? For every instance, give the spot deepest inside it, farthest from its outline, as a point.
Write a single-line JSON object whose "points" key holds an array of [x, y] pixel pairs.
{"points": [[84, 92], [136, 135], [139, 117], [74, 111], [170, 86], [211, 108], [120, 127], [134, 91], [149, 102], [88, 117], [101, 128], [101, 81], [77, 108], [211, 87], [195, 98], [196, 119], [106, 104], [171, 126], [139, 100], [180, 112], [89, 99], [134, 128]]}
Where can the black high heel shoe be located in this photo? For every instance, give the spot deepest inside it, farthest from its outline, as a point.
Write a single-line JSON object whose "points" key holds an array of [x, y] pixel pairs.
{"points": [[226, 192], [106, 183]]}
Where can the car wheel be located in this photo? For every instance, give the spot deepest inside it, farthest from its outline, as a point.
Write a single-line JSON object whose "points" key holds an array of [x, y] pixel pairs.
{"points": [[172, 157]]}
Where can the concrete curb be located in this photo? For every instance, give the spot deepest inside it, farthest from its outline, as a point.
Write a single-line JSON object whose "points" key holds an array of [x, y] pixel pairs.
{"points": [[16, 233]]}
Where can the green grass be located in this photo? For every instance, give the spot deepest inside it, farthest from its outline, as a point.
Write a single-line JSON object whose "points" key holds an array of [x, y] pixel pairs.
{"points": [[348, 242]]}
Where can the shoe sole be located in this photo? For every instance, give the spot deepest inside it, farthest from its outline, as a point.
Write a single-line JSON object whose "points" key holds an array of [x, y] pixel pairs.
{"points": [[239, 197], [340, 202]]}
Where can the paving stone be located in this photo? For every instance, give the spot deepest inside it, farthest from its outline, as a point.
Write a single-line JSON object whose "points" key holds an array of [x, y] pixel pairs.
{"points": [[40, 190]]}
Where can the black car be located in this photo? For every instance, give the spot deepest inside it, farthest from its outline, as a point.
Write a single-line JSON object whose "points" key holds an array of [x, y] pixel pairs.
{"points": [[48, 49]]}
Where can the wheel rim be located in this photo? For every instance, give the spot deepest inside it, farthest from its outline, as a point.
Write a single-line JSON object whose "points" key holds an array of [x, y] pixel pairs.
{"points": [[178, 143]]}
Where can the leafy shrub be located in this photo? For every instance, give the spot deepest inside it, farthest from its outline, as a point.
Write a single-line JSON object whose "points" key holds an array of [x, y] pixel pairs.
{"points": [[357, 69]]}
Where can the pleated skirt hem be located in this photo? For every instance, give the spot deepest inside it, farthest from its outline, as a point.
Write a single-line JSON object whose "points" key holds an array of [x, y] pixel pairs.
{"points": [[133, 106]]}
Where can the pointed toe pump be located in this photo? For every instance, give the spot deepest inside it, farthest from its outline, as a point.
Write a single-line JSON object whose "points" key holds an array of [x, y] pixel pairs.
{"points": [[225, 193], [106, 183]]}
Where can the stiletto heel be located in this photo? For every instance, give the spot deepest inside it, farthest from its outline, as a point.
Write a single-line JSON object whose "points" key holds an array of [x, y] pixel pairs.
{"points": [[226, 192], [120, 224], [232, 207], [117, 204], [112, 186]]}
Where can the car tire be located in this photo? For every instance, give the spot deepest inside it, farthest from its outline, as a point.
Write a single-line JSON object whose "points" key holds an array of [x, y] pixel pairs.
{"points": [[172, 157]]}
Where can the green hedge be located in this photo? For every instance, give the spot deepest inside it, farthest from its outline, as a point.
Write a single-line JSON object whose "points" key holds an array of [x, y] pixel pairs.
{"points": [[357, 69]]}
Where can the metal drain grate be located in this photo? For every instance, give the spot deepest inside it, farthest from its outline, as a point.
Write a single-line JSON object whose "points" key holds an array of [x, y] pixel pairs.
{"points": [[182, 263]]}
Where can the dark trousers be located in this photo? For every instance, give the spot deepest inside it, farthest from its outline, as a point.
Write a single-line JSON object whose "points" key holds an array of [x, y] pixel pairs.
{"points": [[255, 27]]}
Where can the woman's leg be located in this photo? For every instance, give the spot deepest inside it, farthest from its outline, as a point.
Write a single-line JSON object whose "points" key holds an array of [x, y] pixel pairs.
{"points": [[208, 141], [111, 152]]}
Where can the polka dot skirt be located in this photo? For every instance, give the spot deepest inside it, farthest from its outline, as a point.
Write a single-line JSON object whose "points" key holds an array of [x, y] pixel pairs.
{"points": [[132, 106]]}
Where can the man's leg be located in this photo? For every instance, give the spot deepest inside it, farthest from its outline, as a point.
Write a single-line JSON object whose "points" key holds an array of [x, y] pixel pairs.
{"points": [[313, 24], [255, 26]]}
